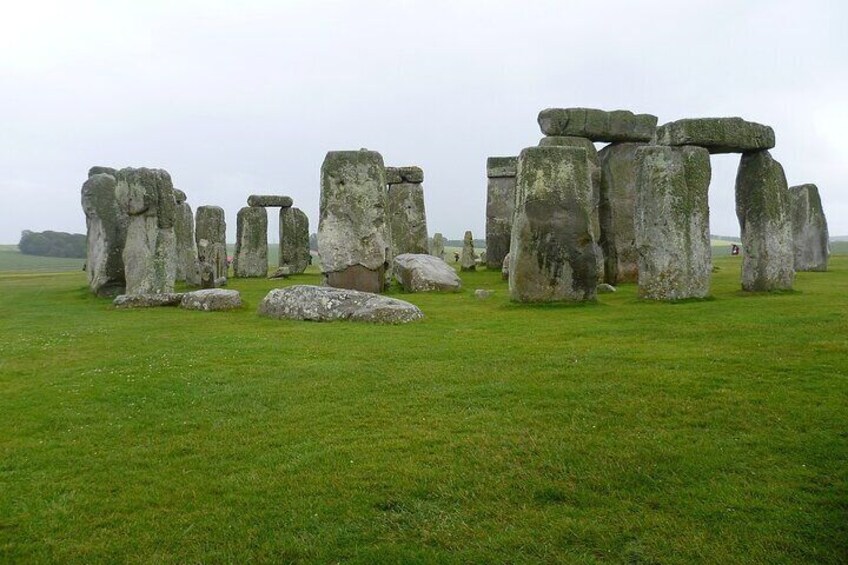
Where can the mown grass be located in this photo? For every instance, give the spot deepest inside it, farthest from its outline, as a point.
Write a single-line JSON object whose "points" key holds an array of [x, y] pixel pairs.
{"points": [[626, 431]]}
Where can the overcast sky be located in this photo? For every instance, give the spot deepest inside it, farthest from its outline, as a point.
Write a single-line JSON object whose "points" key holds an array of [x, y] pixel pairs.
{"points": [[234, 98]]}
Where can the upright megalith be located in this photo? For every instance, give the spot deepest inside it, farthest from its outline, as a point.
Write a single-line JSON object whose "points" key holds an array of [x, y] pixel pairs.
{"points": [[500, 206], [468, 258], [616, 210], [809, 229], [717, 135], [405, 211], [597, 125], [353, 236], [765, 220], [210, 232], [438, 246], [672, 222], [150, 251], [553, 255], [251, 255], [294, 240], [188, 266], [106, 229]]}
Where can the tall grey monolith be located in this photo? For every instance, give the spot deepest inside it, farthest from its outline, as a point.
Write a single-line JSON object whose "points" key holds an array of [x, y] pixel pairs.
{"points": [[765, 221], [672, 222], [294, 240], [500, 206], [150, 251], [188, 267], [468, 258], [353, 237], [251, 254], [438, 248], [405, 211], [553, 254], [810, 239], [210, 232], [616, 211], [106, 234]]}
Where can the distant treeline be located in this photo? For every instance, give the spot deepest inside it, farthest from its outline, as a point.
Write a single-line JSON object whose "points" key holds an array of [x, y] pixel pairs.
{"points": [[53, 244]]}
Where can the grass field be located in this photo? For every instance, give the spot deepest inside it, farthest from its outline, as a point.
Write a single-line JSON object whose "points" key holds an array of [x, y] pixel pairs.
{"points": [[703, 431]]}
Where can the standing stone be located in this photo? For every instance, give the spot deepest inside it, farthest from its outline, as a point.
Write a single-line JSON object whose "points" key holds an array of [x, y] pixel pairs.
{"points": [[505, 268], [251, 256], [405, 210], [210, 232], [468, 259], [106, 227], [188, 266], [500, 207], [672, 222], [553, 255], [765, 220], [616, 211], [150, 252], [438, 249], [353, 236], [294, 240], [809, 229]]}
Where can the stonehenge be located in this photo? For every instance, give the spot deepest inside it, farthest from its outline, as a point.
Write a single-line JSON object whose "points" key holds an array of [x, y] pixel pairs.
{"points": [[810, 241], [717, 135], [438, 246], [405, 212], [188, 266], [210, 233], [106, 229], [500, 206], [468, 259], [269, 201], [597, 125], [294, 240], [353, 235], [251, 255]]}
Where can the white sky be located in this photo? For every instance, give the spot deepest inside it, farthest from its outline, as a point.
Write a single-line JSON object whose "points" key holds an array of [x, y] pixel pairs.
{"points": [[234, 98]]}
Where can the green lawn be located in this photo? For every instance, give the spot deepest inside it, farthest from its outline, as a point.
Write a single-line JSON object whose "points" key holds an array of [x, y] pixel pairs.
{"points": [[704, 431]]}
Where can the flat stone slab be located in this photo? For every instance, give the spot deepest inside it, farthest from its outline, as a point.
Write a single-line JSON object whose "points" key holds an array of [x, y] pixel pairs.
{"points": [[324, 304], [597, 125], [423, 273], [269, 201], [211, 299], [717, 135], [499, 167], [148, 300], [398, 175]]}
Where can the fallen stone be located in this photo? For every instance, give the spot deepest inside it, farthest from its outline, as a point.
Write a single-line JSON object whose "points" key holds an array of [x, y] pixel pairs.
{"points": [[423, 273], [500, 207], [605, 288], [251, 254], [717, 135], [398, 175], [597, 125], [106, 234], [280, 273], [148, 300], [765, 221], [811, 242], [294, 240], [407, 218], [269, 201], [324, 304], [468, 259], [211, 233], [211, 299], [482, 293], [672, 222]]}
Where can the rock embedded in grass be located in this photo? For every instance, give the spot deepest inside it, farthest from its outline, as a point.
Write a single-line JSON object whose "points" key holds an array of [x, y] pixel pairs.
{"points": [[211, 299], [148, 300], [324, 304], [418, 272]]}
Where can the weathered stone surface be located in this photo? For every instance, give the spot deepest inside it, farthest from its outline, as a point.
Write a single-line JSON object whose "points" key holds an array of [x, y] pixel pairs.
{"points": [[553, 254], [597, 125], [106, 225], [616, 209], [323, 304], [605, 288], [505, 268], [438, 247], [483, 293], [500, 207], [497, 167], [150, 252], [423, 273], [407, 218], [148, 300], [280, 273], [98, 170], [188, 265], [251, 254], [811, 243], [211, 299], [269, 201], [294, 240], [211, 235], [765, 220], [180, 197], [353, 236], [718, 135], [672, 222], [398, 175], [468, 261]]}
